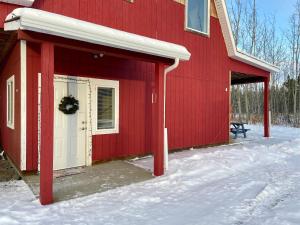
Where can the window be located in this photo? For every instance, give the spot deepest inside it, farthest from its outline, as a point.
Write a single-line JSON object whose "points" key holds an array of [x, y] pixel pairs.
{"points": [[197, 16], [107, 107], [10, 88]]}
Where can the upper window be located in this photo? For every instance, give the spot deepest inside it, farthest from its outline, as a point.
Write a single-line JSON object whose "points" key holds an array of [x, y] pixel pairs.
{"points": [[10, 102], [197, 16], [107, 107]]}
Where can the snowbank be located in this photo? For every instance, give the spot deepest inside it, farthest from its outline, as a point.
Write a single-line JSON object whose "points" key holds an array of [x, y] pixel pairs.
{"points": [[256, 181]]}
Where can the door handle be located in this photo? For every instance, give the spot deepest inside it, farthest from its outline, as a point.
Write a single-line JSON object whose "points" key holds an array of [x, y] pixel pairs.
{"points": [[83, 128]]}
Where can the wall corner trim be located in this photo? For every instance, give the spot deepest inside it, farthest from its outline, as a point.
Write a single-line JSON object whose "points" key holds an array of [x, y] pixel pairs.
{"points": [[23, 96]]}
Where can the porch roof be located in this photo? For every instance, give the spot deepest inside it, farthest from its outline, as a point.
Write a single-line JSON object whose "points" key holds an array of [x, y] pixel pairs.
{"points": [[67, 27], [26, 3]]}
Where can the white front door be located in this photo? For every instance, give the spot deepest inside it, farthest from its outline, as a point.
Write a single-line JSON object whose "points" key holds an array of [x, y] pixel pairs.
{"points": [[70, 130]]}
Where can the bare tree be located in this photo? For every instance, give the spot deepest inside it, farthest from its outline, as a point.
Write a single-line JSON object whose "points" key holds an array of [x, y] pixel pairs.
{"points": [[294, 45], [236, 19], [259, 36]]}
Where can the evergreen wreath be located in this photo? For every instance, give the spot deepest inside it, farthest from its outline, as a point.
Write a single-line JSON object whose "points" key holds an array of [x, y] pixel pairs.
{"points": [[68, 105]]}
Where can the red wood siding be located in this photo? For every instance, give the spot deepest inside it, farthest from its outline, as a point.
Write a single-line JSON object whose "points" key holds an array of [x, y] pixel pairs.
{"points": [[240, 67], [197, 100], [131, 139], [5, 9], [135, 88], [10, 139], [33, 68]]}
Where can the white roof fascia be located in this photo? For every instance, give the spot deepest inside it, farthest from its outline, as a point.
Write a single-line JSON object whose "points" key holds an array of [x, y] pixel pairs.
{"points": [[67, 27], [230, 43], [27, 3], [251, 60]]}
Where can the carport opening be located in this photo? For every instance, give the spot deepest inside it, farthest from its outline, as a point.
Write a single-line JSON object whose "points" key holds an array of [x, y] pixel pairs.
{"points": [[247, 98], [249, 101]]}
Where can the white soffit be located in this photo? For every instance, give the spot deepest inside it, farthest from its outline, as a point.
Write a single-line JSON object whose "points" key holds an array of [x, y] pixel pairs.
{"points": [[230, 43], [26, 3], [59, 25]]}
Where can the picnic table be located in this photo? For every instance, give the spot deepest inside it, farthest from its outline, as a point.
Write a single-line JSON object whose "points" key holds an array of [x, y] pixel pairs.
{"points": [[238, 128]]}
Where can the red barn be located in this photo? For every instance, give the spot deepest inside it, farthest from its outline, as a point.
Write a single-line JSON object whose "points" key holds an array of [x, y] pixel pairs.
{"points": [[95, 80]]}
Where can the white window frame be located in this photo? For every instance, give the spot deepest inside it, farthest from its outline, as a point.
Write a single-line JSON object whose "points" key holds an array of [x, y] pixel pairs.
{"points": [[187, 28], [100, 83], [10, 82]]}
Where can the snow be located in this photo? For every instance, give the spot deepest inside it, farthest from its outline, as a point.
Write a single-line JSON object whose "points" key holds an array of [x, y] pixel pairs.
{"points": [[256, 181], [63, 26], [26, 3]]}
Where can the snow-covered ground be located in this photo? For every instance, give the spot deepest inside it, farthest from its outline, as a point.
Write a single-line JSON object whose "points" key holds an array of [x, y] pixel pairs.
{"points": [[253, 182]]}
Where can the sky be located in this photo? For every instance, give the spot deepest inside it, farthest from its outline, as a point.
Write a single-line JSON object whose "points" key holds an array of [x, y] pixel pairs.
{"points": [[281, 9]]}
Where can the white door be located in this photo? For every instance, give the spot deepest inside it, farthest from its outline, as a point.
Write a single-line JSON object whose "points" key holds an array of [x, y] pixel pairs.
{"points": [[69, 130]]}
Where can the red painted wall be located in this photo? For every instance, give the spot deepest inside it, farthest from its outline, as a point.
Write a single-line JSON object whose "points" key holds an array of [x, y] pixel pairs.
{"points": [[197, 101], [10, 139], [33, 68], [5, 9], [240, 67], [134, 100], [135, 97]]}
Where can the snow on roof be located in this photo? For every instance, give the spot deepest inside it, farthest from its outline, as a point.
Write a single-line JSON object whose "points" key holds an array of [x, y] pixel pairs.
{"points": [[63, 26], [232, 50], [26, 3]]}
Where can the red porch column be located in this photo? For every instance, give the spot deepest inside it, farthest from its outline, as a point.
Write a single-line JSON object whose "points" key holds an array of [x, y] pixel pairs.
{"points": [[47, 118], [158, 120], [266, 108]]}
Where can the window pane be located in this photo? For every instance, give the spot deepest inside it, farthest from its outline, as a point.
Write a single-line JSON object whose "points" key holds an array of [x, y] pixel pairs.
{"points": [[9, 102], [197, 15], [106, 108]]}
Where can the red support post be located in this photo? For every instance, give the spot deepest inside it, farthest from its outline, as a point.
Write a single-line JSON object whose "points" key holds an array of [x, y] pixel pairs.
{"points": [[47, 118], [266, 108], [158, 120]]}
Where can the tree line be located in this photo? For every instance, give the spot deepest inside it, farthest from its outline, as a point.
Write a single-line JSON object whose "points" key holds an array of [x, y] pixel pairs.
{"points": [[257, 33]]}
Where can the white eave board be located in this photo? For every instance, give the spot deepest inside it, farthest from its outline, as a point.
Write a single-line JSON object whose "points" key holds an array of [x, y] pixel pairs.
{"points": [[230, 43], [63, 26]]}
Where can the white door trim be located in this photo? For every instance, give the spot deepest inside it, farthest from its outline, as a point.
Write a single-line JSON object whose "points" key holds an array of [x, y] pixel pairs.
{"points": [[81, 80]]}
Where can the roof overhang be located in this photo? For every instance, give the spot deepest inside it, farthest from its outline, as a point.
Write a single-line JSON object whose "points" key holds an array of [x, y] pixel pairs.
{"points": [[67, 27], [240, 78], [232, 50], [26, 3]]}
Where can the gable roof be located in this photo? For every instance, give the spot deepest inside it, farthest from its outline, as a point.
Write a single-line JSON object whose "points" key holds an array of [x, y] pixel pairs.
{"points": [[232, 50], [26, 3]]}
